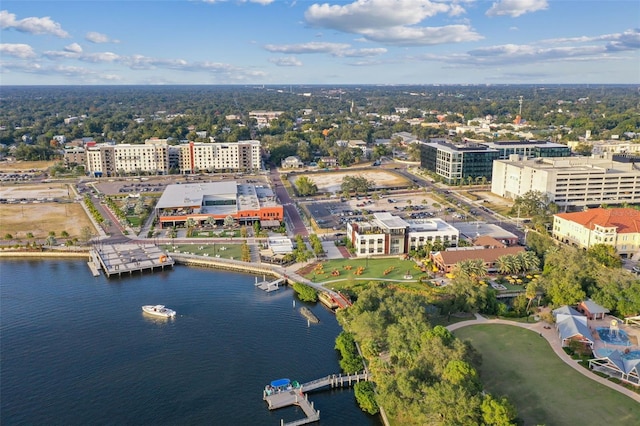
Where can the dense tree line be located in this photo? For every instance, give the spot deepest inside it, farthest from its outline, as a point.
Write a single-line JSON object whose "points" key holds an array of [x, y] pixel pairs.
{"points": [[131, 114], [423, 374]]}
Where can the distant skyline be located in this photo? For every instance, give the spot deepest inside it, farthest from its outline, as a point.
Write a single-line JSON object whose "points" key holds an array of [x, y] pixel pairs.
{"points": [[307, 42]]}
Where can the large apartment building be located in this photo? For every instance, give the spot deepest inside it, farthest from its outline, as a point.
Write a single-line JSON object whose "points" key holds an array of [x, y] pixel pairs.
{"points": [[455, 162], [156, 156], [198, 156], [387, 234], [618, 227], [570, 182]]}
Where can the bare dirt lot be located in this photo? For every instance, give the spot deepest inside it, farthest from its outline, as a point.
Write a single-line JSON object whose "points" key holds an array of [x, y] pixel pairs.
{"points": [[34, 191], [41, 218], [330, 182], [24, 166]]}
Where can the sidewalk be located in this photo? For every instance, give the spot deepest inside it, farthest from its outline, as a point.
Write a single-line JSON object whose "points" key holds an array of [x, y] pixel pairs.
{"points": [[554, 342]]}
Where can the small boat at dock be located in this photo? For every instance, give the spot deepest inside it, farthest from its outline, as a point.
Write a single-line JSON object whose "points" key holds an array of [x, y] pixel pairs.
{"points": [[159, 311], [306, 312], [327, 300]]}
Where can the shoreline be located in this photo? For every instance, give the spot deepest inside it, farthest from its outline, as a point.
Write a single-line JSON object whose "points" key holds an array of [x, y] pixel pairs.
{"points": [[220, 264], [44, 254]]}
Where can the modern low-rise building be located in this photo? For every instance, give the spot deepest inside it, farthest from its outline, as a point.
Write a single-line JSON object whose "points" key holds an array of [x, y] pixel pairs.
{"points": [[387, 234], [570, 182], [618, 227], [529, 148], [213, 202], [455, 163]]}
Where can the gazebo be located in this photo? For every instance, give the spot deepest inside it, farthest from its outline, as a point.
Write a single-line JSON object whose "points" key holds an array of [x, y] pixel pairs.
{"points": [[592, 310]]}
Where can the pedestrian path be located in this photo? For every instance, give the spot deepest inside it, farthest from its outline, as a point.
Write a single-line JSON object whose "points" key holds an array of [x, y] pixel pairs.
{"points": [[551, 336]]}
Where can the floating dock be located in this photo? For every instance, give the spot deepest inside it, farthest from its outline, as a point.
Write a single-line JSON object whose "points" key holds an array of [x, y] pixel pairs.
{"points": [[116, 259], [269, 286]]}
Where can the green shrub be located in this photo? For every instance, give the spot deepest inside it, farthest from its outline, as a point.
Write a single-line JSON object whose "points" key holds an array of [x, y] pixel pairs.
{"points": [[365, 395]]}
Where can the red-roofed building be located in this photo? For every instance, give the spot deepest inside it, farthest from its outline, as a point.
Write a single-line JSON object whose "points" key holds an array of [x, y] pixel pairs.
{"points": [[619, 228]]}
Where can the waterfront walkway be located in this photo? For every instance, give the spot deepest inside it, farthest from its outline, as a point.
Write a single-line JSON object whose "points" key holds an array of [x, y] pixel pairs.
{"points": [[551, 335]]}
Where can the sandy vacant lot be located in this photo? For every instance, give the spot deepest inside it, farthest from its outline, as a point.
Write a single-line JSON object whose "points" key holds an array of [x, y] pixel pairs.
{"points": [[24, 166], [41, 218], [35, 191], [330, 182]]}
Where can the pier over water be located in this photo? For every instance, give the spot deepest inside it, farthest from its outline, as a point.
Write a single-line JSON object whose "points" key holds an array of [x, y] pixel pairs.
{"points": [[295, 395]]}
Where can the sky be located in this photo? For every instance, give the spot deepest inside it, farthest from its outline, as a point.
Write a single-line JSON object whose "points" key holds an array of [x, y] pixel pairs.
{"points": [[290, 42]]}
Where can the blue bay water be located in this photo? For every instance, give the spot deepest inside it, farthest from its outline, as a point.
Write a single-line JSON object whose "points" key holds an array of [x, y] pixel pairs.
{"points": [[77, 350]]}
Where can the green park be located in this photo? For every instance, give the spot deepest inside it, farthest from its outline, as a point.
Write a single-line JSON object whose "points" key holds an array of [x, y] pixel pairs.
{"points": [[518, 363]]}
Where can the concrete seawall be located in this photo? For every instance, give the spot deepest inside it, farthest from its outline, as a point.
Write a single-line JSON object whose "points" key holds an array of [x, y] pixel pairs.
{"points": [[44, 254], [225, 264]]}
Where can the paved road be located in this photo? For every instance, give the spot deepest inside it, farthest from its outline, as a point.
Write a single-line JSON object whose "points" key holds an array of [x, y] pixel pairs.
{"points": [[290, 209]]}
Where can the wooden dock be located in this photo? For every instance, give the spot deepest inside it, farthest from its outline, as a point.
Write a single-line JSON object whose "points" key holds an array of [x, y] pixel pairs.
{"points": [[116, 259], [297, 396]]}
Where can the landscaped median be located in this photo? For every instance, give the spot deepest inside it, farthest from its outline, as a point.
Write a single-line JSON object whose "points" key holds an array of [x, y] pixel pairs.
{"points": [[521, 365]]}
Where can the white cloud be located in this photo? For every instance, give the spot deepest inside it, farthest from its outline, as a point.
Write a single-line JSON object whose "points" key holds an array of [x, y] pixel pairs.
{"points": [[311, 47], [100, 57], [369, 14], [628, 40], [287, 61], [95, 37], [17, 50], [341, 50], [423, 36], [73, 48], [393, 22], [515, 8], [32, 25]]}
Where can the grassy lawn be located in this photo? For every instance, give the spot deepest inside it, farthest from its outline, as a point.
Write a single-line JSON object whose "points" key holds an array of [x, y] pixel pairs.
{"points": [[373, 269], [228, 233], [225, 251], [521, 365]]}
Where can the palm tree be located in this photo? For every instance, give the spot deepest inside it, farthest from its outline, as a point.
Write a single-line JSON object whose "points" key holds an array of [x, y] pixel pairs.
{"points": [[474, 268], [51, 240], [529, 261], [531, 292], [505, 264], [190, 223]]}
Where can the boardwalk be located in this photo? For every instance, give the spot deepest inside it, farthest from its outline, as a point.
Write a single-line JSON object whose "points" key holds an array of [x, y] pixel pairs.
{"points": [[269, 286], [296, 396]]}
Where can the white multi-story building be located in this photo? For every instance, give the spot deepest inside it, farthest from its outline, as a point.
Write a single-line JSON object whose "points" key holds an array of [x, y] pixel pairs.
{"points": [[387, 234], [570, 182], [158, 157], [241, 155], [123, 159], [619, 228]]}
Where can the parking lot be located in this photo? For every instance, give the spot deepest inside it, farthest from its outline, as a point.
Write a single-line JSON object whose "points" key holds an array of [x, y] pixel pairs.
{"points": [[333, 214]]}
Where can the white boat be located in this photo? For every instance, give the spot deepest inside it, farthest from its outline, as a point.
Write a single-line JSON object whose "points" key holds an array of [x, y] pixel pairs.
{"points": [[159, 311]]}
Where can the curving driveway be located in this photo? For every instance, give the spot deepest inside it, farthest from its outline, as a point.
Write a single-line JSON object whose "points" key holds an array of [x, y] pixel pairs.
{"points": [[554, 342]]}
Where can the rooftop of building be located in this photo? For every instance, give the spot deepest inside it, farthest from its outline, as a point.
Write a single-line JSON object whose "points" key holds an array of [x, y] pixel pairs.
{"points": [[473, 230], [452, 256], [625, 220], [574, 164]]}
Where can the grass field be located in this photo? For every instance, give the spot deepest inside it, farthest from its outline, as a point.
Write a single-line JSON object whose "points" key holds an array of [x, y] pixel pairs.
{"points": [[373, 268], [519, 364], [13, 166]]}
